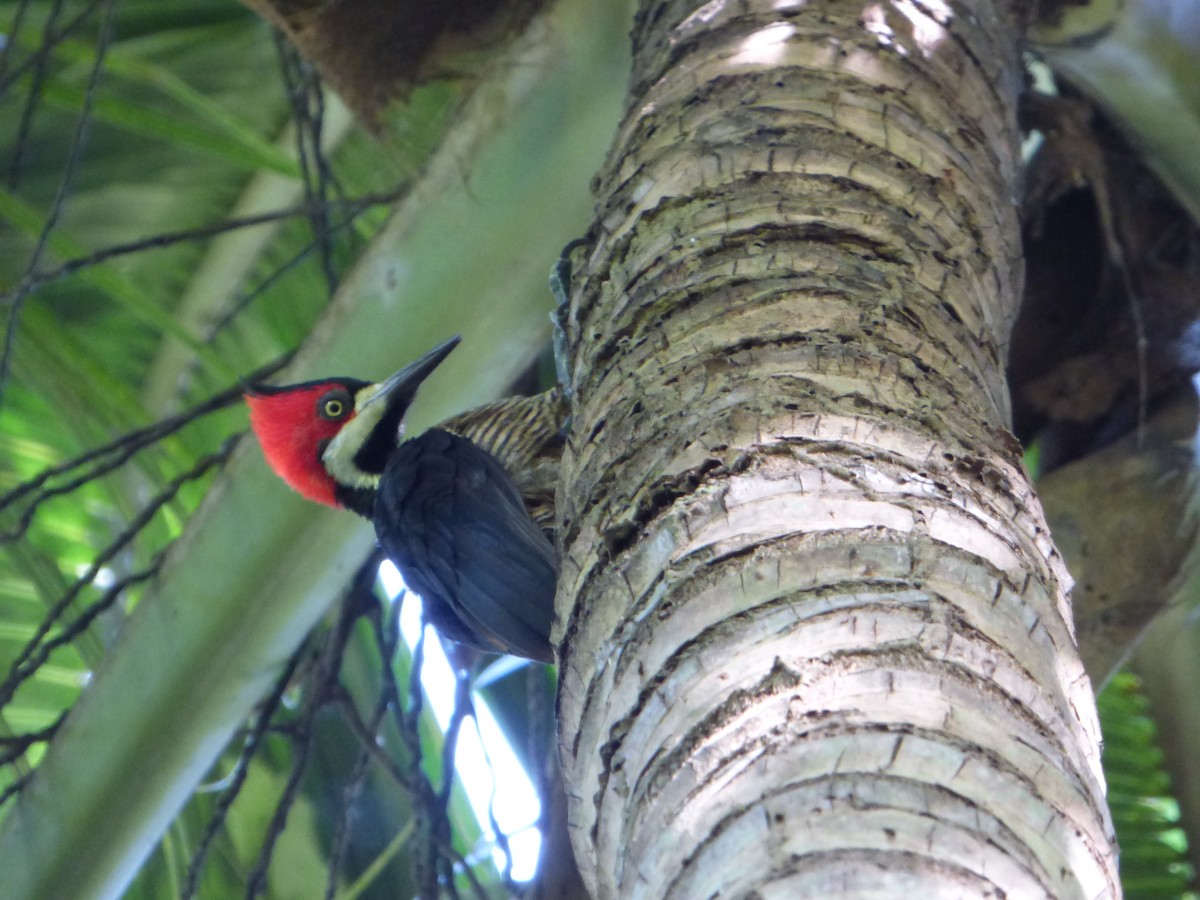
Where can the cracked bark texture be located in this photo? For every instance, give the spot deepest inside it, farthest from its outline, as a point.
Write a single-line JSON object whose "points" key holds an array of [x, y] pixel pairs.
{"points": [[815, 635]]}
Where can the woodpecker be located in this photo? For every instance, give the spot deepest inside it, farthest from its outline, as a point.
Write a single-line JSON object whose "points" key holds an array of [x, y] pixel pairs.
{"points": [[464, 510]]}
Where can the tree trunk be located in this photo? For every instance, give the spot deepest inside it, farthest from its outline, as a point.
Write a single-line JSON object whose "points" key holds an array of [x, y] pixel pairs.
{"points": [[817, 638]]}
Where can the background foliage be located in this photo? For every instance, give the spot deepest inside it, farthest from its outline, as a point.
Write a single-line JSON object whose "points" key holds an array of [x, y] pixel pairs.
{"points": [[181, 201]]}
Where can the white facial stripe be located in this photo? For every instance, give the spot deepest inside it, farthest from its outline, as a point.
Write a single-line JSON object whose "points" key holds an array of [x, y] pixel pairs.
{"points": [[339, 455]]}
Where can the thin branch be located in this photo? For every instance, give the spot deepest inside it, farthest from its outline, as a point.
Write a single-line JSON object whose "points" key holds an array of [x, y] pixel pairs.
{"points": [[408, 721], [442, 841], [304, 92], [15, 788], [41, 64], [464, 707], [366, 734], [13, 36], [243, 302], [16, 744], [35, 652], [356, 205], [125, 447], [323, 688], [369, 749], [241, 770], [7, 79], [468, 870], [300, 750], [78, 139]]}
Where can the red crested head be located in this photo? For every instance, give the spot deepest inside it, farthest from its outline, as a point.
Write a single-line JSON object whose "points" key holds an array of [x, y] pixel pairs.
{"points": [[331, 439], [295, 424]]}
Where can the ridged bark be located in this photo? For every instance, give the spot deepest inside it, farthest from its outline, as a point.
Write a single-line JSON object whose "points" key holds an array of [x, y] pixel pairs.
{"points": [[817, 637]]}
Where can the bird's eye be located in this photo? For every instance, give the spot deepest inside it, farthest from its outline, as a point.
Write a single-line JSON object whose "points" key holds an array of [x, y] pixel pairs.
{"points": [[334, 405]]}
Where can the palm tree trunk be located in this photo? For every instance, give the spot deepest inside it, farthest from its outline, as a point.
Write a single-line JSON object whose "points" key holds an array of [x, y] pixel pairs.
{"points": [[817, 638]]}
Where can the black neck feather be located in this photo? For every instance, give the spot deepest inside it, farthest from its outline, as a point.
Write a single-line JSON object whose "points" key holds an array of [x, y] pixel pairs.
{"points": [[356, 499]]}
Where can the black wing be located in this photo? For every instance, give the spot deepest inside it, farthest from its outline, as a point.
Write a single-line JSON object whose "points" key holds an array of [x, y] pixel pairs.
{"points": [[448, 515]]}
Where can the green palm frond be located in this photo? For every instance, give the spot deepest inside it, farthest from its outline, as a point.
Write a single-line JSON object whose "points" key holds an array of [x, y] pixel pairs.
{"points": [[1153, 846]]}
